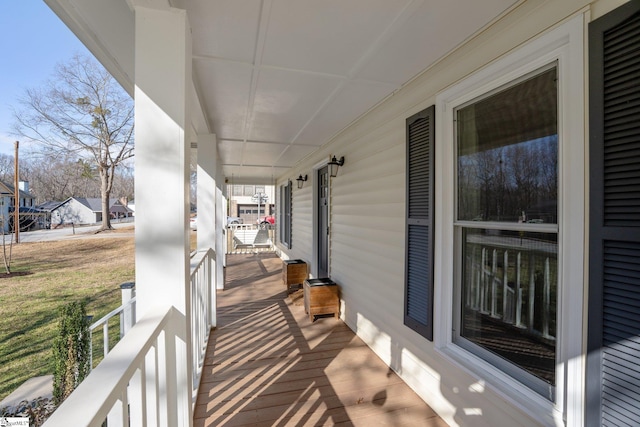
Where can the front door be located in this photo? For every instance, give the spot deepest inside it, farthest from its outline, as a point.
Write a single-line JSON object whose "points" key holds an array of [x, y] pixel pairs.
{"points": [[323, 222]]}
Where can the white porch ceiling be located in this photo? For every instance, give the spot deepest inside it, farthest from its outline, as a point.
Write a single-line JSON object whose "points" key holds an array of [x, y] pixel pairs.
{"points": [[277, 79]]}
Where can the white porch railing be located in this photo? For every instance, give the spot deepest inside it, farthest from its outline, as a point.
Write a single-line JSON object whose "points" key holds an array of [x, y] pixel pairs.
{"points": [[502, 283], [138, 382], [243, 238], [127, 316], [203, 308]]}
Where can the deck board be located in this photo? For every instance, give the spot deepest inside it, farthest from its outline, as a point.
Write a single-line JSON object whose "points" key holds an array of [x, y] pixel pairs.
{"points": [[267, 364]]}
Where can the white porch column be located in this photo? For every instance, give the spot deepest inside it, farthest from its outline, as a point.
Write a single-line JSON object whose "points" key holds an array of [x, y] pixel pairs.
{"points": [[221, 223], [207, 159], [162, 83], [208, 230]]}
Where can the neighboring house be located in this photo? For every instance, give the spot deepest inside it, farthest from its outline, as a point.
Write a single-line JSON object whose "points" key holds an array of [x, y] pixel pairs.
{"points": [[85, 211], [47, 209], [27, 201], [243, 201], [483, 225]]}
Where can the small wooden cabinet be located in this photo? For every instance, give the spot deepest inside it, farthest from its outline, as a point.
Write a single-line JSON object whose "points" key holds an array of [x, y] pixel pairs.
{"points": [[321, 297], [294, 272]]}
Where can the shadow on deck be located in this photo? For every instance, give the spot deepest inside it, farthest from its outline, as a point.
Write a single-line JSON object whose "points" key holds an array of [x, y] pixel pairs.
{"points": [[267, 364]]}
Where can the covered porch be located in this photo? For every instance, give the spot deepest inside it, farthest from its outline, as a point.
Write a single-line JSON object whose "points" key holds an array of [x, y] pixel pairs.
{"points": [[267, 364], [270, 92]]}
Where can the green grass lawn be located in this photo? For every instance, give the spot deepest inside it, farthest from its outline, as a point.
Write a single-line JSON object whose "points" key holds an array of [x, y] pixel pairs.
{"points": [[45, 276]]}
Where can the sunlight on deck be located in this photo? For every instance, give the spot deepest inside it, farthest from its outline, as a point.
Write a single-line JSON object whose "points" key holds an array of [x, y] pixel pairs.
{"points": [[267, 364]]}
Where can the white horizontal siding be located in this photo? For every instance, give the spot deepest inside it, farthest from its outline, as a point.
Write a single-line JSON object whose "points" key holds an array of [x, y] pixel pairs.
{"points": [[301, 219], [367, 220]]}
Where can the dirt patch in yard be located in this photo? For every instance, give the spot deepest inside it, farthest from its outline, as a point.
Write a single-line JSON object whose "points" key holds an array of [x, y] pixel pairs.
{"points": [[4, 274]]}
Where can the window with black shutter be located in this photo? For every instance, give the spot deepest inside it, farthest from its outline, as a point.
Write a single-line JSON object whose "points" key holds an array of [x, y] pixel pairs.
{"points": [[613, 361], [418, 314]]}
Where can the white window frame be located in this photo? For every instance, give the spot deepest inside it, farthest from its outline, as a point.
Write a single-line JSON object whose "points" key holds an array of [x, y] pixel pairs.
{"points": [[564, 44], [499, 225]]}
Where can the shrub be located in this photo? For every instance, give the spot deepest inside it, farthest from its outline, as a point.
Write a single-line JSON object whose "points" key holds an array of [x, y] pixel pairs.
{"points": [[70, 350]]}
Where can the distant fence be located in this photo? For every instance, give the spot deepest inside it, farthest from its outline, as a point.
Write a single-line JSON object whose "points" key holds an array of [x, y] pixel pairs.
{"points": [[250, 238]]}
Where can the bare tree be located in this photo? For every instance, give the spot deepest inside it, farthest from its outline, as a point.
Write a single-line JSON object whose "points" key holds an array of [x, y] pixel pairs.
{"points": [[6, 168], [124, 185], [83, 112], [57, 179]]}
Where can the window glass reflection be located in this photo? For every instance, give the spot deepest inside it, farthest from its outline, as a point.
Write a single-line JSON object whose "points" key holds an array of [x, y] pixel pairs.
{"points": [[508, 154], [509, 297]]}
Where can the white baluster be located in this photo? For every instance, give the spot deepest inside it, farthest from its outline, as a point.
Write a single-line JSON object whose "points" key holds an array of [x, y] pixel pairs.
{"points": [[494, 287], [105, 337], [532, 290], [468, 292], [483, 282], [547, 299], [138, 397], [119, 414], [505, 285], [518, 290]]}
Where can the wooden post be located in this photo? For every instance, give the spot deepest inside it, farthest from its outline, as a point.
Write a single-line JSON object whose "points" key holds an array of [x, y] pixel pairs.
{"points": [[16, 195]]}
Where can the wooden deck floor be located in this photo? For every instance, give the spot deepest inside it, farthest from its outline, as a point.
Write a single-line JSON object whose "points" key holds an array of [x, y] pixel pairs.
{"points": [[267, 364]]}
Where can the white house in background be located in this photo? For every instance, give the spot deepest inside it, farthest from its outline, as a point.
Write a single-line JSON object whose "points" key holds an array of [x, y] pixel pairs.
{"points": [[46, 209], [483, 224], [243, 201], [85, 211], [7, 198]]}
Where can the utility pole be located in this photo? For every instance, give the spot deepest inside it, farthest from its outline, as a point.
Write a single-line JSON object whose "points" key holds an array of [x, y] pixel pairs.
{"points": [[16, 195]]}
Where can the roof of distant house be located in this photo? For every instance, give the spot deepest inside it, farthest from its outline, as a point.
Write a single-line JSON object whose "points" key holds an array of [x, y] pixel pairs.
{"points": [[95, 203], [49, 206], [9, 189]]}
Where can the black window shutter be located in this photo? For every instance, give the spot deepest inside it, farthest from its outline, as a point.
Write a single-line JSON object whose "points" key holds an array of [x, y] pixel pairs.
{"points": [[285, 214], [613, 359], [418, 310], [288, 214]]}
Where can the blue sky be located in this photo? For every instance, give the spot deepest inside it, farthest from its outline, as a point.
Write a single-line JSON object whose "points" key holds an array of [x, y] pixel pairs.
{"points": [[32, 41]]}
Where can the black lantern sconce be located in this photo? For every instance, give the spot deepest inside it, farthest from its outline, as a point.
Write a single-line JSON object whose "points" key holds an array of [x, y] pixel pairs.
{"points": [[301, 179], [334, 164]]}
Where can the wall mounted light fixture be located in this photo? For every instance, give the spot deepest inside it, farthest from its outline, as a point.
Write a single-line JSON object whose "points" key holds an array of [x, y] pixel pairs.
{"points": [[301, 179], [334, 164]]}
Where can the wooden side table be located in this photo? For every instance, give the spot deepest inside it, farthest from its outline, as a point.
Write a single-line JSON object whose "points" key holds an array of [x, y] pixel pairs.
{"points": [[294, 272], [321, 297]]}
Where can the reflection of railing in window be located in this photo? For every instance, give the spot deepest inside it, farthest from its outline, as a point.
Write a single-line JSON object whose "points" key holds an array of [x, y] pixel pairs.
{"points": [[512, 280]]}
